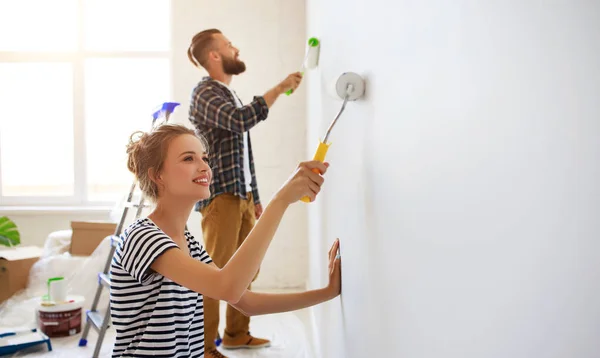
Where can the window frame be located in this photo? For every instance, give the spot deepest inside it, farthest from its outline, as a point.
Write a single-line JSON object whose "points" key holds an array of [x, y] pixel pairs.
{"points": [[77, 58]]}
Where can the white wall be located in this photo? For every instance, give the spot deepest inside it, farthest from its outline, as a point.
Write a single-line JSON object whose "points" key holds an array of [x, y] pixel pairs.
{"points": [[464, 187], [270, 36]]}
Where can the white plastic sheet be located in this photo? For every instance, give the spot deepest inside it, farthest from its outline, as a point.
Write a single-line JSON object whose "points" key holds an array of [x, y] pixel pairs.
{"points": [[80, 272]]}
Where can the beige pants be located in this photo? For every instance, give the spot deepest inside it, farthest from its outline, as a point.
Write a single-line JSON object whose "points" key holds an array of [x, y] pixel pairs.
{"points": [[226, 222]]}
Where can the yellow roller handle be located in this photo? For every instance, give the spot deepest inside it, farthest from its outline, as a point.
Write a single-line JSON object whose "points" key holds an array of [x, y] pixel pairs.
{"points": [[320, 156]]}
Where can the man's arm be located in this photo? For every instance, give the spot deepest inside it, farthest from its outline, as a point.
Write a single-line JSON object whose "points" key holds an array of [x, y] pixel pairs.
{"points": [[258, 303], [211, 108], [292, 82], [272, 95]]}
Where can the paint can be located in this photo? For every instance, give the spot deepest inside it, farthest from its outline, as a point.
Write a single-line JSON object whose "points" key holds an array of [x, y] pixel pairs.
{"points": [[61, 320]]}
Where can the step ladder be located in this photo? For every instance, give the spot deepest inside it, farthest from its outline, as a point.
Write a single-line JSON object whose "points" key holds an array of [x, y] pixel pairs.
{"points": [[94, 318]]}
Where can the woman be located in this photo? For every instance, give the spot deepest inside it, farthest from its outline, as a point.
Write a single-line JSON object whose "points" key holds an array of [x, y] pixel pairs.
{"points": [[160, 273]]}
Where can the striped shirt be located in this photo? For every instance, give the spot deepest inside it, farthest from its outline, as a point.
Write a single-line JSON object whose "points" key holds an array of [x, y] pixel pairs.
{"points": [[215, 115], [153, 316]]}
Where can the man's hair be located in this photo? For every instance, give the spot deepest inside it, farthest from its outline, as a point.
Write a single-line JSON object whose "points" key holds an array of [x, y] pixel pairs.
{"points": [[200, 46]]}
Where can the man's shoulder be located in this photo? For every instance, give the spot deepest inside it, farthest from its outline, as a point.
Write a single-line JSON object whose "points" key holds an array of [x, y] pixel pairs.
{"points": [[209, 84]]}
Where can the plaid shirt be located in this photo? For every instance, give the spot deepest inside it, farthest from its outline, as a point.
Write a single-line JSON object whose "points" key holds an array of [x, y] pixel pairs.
{"points": [[216, 117]]}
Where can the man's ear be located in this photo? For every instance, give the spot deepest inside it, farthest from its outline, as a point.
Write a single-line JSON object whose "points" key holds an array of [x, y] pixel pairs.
{"points": [[214, 55]]}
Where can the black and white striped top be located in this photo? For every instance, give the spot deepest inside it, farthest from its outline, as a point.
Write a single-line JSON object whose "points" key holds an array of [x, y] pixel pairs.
{"points": [[153, 315]]}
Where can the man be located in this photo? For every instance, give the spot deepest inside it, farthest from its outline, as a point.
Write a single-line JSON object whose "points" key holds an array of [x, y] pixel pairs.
{"points": [[230, 213]]}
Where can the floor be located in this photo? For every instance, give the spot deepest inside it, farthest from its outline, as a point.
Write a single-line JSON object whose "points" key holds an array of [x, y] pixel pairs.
{"points": [[289, 333]]}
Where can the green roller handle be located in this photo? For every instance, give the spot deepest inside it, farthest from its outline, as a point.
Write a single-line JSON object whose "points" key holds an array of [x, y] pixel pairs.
{"points": [[289, 92], [312, 42]]}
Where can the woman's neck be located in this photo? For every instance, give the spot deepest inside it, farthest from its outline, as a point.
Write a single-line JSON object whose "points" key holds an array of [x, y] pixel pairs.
{"points": [[171, 216]]}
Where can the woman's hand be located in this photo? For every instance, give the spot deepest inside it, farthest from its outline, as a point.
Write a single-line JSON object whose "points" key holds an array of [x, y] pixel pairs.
{"points": [[335, 270], [303, 182]]}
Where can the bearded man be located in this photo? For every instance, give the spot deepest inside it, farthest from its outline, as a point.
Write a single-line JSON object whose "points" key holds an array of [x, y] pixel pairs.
{"points": [[221, 118]]}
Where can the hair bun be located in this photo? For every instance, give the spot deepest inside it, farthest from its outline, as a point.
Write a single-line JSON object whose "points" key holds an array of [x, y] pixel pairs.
{"points": [[134, 150]]}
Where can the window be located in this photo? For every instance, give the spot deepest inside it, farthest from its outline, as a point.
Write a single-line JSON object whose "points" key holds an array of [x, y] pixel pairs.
{"points": [[77, 77]]}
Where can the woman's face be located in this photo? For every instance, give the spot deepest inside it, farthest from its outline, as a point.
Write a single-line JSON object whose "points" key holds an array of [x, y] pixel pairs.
{"points": [[186, 173]]}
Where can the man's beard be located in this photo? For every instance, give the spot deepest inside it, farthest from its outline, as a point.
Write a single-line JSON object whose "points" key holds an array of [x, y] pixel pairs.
{"points": [[232, 66]]}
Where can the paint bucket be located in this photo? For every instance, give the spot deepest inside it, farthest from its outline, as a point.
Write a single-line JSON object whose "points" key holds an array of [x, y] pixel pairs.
{"points": [[61, 320]]}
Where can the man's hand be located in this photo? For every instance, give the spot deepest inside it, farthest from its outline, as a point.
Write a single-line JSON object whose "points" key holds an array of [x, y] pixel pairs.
{"points": [[258, 210], [291, 82]]}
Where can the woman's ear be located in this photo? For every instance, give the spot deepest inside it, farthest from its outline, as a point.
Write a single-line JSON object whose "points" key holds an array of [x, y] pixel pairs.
{"points": [[155, 177]]}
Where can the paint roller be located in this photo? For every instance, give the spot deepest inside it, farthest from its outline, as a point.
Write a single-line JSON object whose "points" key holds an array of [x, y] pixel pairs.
{"points": [[349, 87], [311, 58]]}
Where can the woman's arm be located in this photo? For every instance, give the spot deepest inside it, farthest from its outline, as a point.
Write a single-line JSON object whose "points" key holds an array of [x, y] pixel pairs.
{"points": [[255, 303], [229, 283]]}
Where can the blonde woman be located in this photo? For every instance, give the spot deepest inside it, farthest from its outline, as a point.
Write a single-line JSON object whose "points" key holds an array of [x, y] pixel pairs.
{"points": [[160, 273]]}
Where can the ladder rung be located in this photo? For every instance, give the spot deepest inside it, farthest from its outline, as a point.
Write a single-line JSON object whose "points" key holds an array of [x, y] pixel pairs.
{"points": [[96, 319], [115, 240], [103, 279], [129, 204]]}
